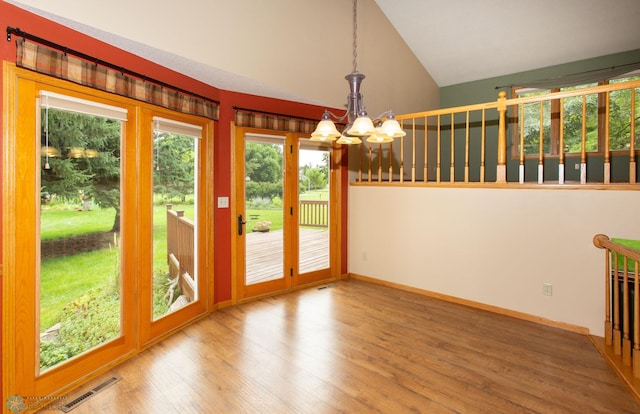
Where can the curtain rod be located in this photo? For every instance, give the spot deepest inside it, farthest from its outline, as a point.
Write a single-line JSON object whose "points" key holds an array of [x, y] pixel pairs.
{"points": [[570, 75], [16, 31], [237, 108]]}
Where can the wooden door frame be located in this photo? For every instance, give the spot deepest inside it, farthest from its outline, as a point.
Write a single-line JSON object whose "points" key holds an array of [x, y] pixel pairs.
{"points": [[291, 243]]}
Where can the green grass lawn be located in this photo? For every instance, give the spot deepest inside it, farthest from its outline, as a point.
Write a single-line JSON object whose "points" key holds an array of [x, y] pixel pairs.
{"points": [[315, 195], [64, 279], [56, 224]]}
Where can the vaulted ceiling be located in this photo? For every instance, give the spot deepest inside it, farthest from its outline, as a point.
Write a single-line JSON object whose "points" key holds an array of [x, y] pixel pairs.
{"points": [[459, 41], [456, 41]]}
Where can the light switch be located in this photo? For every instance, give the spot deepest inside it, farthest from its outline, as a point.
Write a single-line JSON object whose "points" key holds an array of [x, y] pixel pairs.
{"points": [[223, 202]]}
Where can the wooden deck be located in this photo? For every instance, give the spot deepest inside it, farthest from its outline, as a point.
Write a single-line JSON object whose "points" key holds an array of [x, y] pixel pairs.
{"points": [[265, 250]]}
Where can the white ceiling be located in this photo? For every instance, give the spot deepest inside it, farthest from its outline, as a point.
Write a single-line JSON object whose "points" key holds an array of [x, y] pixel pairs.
{"points": [[460, 41], [456, 41]]}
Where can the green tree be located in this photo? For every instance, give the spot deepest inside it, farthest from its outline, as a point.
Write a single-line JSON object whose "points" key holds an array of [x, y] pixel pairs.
{"points": [[317, 179], [263, 162], [174, 160], [620, 118], [573, 123], [88, 163]]}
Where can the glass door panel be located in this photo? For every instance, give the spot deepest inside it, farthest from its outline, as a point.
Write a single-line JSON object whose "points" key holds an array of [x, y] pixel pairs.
{"points": [[79, 235], [264, 209], [283, 211], [175, 224], [313, 208]]}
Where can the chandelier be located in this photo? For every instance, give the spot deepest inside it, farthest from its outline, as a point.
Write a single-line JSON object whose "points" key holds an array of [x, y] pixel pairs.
{"points": [[359, 124]]}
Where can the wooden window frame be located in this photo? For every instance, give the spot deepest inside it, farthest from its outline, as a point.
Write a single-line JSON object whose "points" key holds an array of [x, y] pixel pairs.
{"points": [[19, 253], [554, 144]]}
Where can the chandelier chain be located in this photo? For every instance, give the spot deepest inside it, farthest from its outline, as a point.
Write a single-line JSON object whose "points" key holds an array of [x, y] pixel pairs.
{"points": [[355, 35]]}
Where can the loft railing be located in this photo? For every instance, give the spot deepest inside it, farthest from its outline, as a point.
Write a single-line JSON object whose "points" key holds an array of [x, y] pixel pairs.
{"points": [[485, 143], [180, 250], [622, 307]]}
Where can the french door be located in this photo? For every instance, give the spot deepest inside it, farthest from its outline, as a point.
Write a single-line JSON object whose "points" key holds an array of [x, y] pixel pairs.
{"points": [[284, 218], [104, 230]]}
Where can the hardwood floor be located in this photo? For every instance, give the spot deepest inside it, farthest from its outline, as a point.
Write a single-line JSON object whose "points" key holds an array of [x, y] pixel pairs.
{"points": [[358, 347]]}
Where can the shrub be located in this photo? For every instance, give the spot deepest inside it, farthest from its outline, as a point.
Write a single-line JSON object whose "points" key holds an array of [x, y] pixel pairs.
{"points": [[86, 322]]}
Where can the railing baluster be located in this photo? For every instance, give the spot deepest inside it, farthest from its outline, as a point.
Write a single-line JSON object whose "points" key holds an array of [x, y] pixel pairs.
{"points": [[370, 161], [452, 168], [561, 144], [617, 337], [521, 143], [632, 148], [426, 146], [413, 152], [541, 146], [583, 151], [402, 159], [608, 277], [391, 159], [501, 169], [607, 141], [361, 149], [636, 323], [380, 155], [438, 153], [626, 341], [466, 151], [483, 146]]}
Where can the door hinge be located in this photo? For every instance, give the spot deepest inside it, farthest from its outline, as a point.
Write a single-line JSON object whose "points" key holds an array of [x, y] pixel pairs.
{"points": [[290, 149], [291, 211], [291, 272]]}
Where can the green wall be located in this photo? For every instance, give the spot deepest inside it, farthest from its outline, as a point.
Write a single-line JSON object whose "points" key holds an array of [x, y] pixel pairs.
{"points": [[487, 90]]}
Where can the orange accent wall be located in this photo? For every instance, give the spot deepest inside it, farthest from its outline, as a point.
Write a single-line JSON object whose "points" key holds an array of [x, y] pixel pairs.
{"points": [[41, 27]]}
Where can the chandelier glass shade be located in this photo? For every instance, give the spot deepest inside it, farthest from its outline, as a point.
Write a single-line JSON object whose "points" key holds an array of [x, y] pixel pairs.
{"points": [[359, 125], [48, 151]]}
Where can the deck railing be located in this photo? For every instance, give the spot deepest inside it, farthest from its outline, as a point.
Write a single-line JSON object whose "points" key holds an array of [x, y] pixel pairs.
{"points": [[313, 213], [471, 143], [180, 250], [622, 303]]}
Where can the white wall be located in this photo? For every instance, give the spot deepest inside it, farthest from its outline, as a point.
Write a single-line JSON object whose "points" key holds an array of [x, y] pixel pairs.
{"points": [[493, 246]]}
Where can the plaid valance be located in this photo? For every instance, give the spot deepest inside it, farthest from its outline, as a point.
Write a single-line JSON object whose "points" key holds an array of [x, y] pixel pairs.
{"points": [[55, 63], [277, 122]]}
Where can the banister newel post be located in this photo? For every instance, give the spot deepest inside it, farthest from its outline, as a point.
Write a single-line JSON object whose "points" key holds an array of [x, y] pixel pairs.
{"points": [[501, 172]]}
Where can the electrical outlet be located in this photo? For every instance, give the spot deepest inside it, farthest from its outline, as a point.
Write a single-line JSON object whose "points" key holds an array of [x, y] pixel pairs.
{"points": [[547, 289], [577, 166]]}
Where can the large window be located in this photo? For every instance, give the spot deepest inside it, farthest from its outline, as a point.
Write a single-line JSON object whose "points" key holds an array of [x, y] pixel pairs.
{"points": [[79, 278], [542, 121], [85, 174]]}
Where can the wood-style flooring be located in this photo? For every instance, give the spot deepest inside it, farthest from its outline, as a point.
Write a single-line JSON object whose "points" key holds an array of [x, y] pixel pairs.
{"points": [[357, 347]]}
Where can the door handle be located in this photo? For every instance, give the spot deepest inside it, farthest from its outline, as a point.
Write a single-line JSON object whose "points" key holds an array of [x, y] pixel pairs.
{"points": [[240, 224]]}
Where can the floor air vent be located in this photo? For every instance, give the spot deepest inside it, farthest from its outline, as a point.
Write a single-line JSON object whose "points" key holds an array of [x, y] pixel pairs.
{"points": [[84, 397]]}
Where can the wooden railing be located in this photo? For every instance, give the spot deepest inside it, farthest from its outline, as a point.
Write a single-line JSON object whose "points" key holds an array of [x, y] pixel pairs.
{"points": [[469, 144], [180, 250], [622, 306], [313, 213]]}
